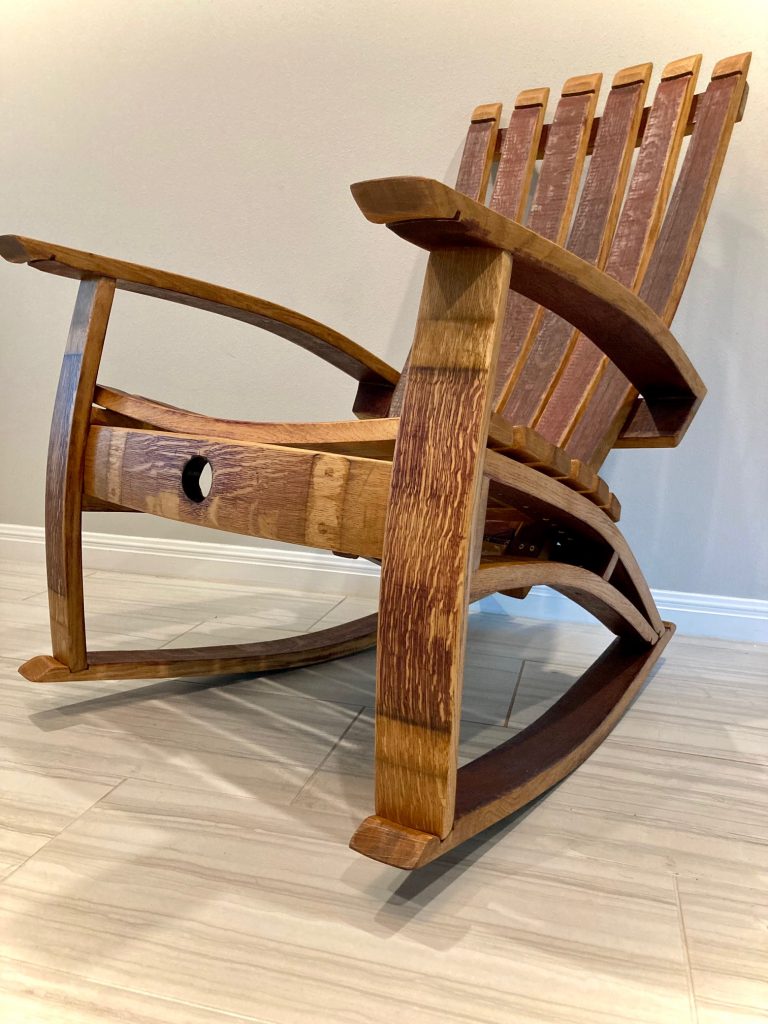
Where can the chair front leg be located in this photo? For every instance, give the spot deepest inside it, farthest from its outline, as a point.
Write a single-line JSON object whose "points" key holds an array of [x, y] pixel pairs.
{"points": [[64, 479], [436, 488]]}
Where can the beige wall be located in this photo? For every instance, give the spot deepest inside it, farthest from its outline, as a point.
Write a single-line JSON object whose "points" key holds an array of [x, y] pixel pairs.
{"points": [[218, 139]]}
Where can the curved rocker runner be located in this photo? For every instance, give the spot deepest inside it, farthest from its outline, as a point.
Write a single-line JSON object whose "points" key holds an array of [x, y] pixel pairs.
{"points": [[541, 343]]}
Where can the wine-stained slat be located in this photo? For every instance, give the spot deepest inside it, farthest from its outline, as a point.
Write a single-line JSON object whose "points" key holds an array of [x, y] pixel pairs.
{"points": [[550, 214], [674, 251], [589, 238], [472, 180], [517, 157], [479, 147], [636, 232]]}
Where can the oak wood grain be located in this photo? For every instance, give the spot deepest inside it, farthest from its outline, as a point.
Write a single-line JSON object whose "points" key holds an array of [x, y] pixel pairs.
{"points": [[298, 496], [428, 542], [262, 656], [433, 216], [513, 774], [309, 334], [66, 468]]}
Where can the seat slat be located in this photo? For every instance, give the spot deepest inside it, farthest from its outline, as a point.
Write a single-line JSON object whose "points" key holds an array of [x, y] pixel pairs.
{"points": [[636, 232], [672, 255], [589, 238], [550, 213]]}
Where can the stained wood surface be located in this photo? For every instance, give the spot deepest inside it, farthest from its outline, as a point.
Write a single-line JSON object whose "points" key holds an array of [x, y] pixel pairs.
{"points": [[64, 476], [513, 774], [369, 438], [590, 236], [540, 496], [335, 502], [433, 216], [263, 656], [479, 147], [549, 216], [517, 155], [674, 251], [683, 63], [587, 427], [585, 588], [425, 568], [309, 334]]}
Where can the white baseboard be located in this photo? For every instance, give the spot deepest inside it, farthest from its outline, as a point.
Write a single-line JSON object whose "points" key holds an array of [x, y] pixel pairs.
{"points": [[710, 615]]}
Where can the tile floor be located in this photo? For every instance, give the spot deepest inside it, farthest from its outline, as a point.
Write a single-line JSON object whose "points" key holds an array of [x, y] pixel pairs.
{"points": [[176, 852]]}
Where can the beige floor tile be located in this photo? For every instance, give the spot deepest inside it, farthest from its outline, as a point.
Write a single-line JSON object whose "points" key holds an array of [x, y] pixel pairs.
{"points": [[215, 884], [37, 804], [156, 883], [34, 995], [726, 930]]}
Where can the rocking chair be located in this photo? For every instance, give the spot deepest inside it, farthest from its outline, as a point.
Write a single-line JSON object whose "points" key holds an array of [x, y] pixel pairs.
{"points": [[542, 342]]}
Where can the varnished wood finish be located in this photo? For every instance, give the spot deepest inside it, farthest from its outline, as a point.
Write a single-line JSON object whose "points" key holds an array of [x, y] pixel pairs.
{"points": [[309, 334], [434, 216], [493, 786], [517, 155], [336, 502], [589, 238], [549, 216], [66, 464], [264, 656], [539, 495], [452, 499], [425, 569], [587, 427], [480, 145], [585, 588], [369, 438]]}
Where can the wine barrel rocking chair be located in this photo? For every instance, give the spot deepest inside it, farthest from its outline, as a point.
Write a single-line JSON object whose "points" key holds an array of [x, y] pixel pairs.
{"points": [[542, 341]]}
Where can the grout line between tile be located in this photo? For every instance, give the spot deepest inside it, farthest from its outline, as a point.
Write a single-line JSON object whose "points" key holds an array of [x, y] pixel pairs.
{"points": [[317, 769], [50, 839], [238, 1016], [514, 693], [686, 953]]}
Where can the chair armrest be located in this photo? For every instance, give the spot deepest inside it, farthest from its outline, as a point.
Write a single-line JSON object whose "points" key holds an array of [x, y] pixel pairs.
{"points": [[625, 328], [309, 334]]}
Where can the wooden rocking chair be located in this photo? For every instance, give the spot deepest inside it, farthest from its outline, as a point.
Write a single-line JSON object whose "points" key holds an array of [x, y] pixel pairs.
{"points": [[542, 342]]}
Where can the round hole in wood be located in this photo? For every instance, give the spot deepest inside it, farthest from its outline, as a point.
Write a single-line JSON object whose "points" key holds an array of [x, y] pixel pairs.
{"points": [[197, 478]]}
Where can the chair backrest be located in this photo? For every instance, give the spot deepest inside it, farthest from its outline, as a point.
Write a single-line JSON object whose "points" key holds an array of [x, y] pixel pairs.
{"points": [[578, 182]]}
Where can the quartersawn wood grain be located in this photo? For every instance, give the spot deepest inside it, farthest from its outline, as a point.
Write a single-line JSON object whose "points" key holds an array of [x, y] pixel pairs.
{"points": [[66, 467], [336, 502], [428, 542], [452, 500]]}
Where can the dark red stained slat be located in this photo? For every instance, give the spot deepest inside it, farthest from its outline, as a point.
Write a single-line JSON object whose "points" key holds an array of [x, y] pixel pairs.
{"points": [[549, 216], [517, 158], [472, 180], [477, 156], [635, 233], [671, 260], [590, 235]]}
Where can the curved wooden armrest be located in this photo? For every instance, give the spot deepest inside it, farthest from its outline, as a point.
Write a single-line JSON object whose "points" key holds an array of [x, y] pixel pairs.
{"points": [[309, 334], [434, 216]]}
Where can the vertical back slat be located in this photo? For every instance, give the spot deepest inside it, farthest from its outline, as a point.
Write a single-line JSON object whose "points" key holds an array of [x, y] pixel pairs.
{"points": [[472, 179], [589, 238], [673, 254], [518, 154], [633, 241], [550, 213], [479, 147]]}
